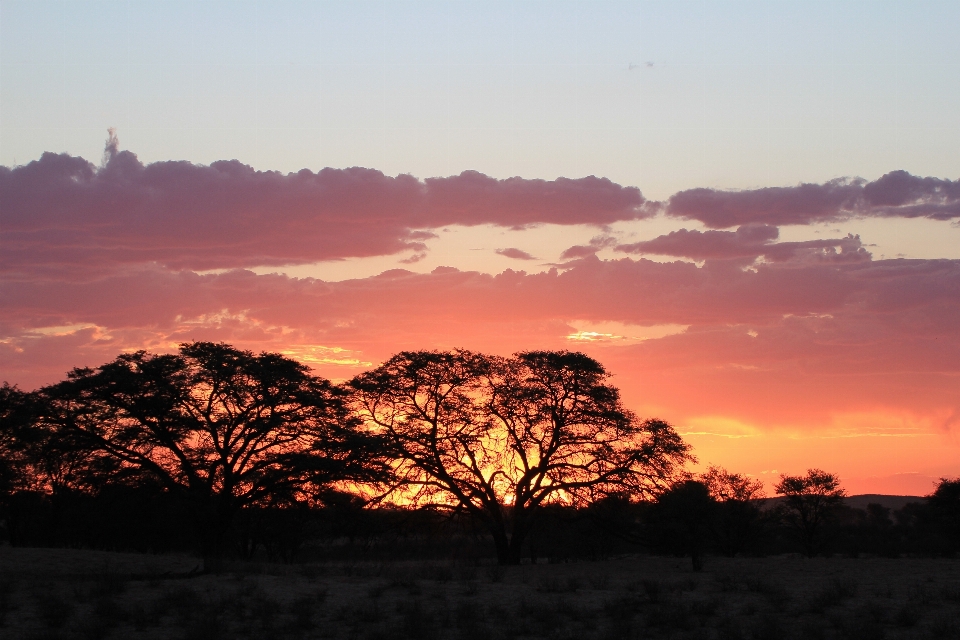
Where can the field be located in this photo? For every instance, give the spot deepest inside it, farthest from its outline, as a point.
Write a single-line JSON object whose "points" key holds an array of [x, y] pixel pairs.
{"points": [[63, 593]]}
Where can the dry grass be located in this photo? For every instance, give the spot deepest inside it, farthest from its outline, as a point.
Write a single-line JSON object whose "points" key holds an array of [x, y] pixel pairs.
{"points": [[52, 593]]}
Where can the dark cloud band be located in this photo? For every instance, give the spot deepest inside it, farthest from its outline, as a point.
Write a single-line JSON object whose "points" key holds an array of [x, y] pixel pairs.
{"points": [[60, 211], [896, 194]]}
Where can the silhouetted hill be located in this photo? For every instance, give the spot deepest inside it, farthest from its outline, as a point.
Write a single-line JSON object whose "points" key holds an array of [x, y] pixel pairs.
{"points": [[891, 502], [861, 501]]}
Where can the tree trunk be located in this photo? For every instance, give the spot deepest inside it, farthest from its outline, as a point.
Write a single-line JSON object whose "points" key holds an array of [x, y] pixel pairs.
{"points": [[508, 552], [213, 525], [211, 548], [516, 545]]}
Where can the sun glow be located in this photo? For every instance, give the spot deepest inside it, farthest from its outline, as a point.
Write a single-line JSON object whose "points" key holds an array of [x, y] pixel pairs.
{"points": [[316, 354], [620, 333]]}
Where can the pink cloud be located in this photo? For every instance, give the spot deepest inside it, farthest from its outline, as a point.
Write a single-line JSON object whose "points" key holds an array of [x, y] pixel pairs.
{"points": [[883, 304], [748, 242], [516, 254], [900, 194], [582, 251], [793, 343], [60, 211], [895, 194]]}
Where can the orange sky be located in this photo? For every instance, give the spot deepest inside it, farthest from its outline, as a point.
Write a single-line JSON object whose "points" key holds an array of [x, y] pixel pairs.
{"points": [[758, 322]]}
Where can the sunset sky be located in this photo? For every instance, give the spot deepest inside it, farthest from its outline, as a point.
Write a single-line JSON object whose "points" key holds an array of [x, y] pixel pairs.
{"points": [[748, 211]]}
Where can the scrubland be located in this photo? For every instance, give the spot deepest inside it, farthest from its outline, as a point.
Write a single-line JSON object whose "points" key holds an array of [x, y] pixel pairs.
{"points": [[64, 593]]}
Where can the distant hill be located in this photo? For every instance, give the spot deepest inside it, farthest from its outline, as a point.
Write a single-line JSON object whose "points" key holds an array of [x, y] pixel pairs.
{"points": [[891, 502], [861, 501]]}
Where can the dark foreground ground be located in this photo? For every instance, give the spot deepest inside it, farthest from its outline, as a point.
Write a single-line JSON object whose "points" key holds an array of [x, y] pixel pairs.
{"points": [[56, 593]]}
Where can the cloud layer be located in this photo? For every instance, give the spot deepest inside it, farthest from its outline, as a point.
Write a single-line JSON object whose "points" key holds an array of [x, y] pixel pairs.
{"points": [[896, 194], [62, 215], [62, 212], [748, 243]]}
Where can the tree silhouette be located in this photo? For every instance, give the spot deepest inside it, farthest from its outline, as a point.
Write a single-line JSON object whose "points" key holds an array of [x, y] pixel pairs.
{"points": [[808, 501], [17, 409], [221, 427], [16, 412], [731, 487], [737, 520], [943, 509], [499, 437], [682, 518], [33, 455], [46, 472]]}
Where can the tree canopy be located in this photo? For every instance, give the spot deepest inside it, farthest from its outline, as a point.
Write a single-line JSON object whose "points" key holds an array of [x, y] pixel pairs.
{"points": [[500, 437], [808, 502], [222, 427]]}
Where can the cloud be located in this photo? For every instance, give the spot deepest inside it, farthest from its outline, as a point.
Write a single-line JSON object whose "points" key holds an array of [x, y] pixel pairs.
{"points": [[582, 251], [900, 194], [516, 254], [64, 217], [748, 242], [415, 258], [402, 308], [60, 213], [896, 194]]}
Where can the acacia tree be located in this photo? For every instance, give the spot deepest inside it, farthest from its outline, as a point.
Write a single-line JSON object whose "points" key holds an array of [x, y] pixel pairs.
{"points": [[737, 517], [500, 437], [221, 427], [808, 502]]}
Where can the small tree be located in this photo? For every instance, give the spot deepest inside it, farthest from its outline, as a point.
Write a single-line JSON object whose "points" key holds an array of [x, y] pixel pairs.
{"points": [[731, 487], [681, 520], [737, 521], [220, 427], [943, 512], [499, 437], [808, 501]]}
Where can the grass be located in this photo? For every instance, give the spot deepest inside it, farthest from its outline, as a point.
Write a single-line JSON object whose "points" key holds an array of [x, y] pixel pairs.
{"points": [[70, 596]]}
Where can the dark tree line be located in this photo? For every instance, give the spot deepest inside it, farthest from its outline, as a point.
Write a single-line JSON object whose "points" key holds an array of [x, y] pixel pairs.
{"points": [[226, 452], [217, 428], [727, 513], [224, 433]]}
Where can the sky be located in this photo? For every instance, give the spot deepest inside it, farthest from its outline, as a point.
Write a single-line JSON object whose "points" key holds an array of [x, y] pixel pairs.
{"points": [[748, 211]]}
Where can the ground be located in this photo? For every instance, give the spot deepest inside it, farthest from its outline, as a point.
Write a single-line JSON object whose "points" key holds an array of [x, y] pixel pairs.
{"points": [[65, 593]]}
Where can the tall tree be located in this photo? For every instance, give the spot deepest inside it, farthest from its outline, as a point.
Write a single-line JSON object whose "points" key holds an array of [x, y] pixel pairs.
{"points": [[499, 437], [221, 427], [808, 502]]}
